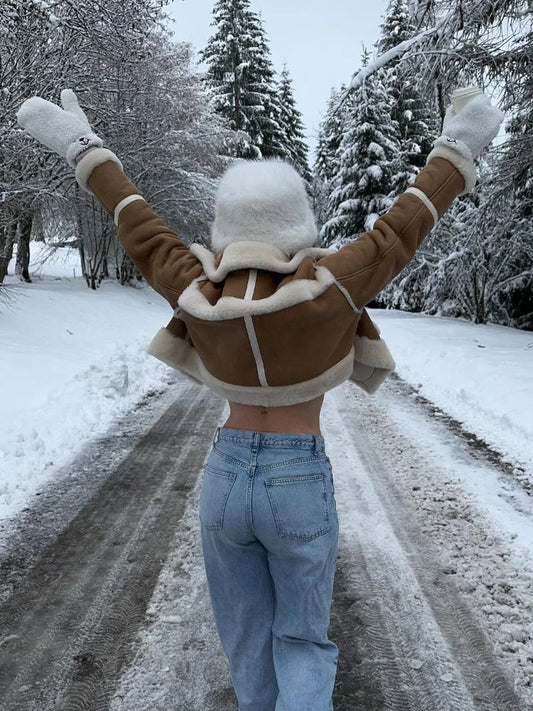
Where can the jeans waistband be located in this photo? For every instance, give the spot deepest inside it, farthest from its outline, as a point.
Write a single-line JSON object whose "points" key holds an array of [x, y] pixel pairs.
{"points": [[271, 439]]}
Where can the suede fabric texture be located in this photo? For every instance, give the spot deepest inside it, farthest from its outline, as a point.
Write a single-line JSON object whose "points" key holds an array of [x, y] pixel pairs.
{"points": [[273, 334]]}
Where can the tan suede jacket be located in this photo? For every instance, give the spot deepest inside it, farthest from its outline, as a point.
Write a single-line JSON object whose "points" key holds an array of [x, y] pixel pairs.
{"points": [[256, 326]]}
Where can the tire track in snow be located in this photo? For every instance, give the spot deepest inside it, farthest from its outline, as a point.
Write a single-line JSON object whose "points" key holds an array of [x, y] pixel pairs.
{"points": [[407, 641], [68, 629], [179, 664], [413, 644], [24, 538]]}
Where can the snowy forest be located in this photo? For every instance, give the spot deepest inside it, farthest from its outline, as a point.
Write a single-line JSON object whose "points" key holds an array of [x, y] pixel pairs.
{"points": [[477, 263], [175, 124]]}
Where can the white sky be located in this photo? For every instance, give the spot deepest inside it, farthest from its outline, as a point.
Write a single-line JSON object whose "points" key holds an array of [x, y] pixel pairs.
{"points": [[320, 41]]}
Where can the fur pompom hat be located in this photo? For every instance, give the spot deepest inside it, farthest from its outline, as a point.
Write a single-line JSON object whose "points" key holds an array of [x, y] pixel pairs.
{"points": [[263, 201]]}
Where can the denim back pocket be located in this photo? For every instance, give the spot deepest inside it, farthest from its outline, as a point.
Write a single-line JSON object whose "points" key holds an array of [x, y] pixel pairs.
{"points": [[299, 505], [216, 488]]}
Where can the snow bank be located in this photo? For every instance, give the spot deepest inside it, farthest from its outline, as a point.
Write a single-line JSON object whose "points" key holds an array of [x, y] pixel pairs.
{"points": [[481, 375], [72, 360]]}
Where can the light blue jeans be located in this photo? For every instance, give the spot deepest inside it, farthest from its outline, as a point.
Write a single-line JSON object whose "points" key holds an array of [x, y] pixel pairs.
{"points": [[269, 537]]}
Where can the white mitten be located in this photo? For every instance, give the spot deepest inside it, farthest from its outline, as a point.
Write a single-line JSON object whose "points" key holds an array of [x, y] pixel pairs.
{"points": [[465, 134], [65, 131]]}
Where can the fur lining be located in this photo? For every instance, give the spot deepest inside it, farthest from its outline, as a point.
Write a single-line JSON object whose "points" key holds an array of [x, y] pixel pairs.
{"points": [[373, 352], [176, 353], [263, 201], [179, 354], [193, 302], [367, 378], [92, 160], [253, 255], [460, 157], [372, 363]]}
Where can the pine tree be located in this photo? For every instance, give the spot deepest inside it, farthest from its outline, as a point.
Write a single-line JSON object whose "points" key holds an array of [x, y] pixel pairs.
{"points": [[330, 134], [293, 127], [367, 154], [513, 186], [416, 121], [326, 166], [477, 262], [241, 78]]}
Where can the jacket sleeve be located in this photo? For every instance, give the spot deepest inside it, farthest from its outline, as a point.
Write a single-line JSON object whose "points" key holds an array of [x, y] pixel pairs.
{"points": [[162, 258], [363, 267]]}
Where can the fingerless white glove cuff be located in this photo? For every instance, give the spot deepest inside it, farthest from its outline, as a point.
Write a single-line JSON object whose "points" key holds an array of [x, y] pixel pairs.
{"points": [[91, 160], [460, 155]]}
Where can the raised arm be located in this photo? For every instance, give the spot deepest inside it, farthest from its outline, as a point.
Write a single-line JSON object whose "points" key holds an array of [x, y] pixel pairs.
{"points": [[366, 265], [161, 257]]}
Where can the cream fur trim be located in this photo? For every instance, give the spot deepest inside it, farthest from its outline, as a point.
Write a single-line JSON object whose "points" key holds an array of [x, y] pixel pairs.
{"points": [[367, 378], [374, 352], [372, 363], [255, 255], [460, 158], [176, 353], [193, 302], [92, 160], [179, 354]]}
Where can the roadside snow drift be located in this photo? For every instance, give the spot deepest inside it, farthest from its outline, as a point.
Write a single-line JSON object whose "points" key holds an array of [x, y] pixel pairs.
{"points": [[481, 375]]}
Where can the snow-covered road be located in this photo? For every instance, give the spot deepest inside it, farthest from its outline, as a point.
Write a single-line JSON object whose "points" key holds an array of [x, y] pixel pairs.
{"points": [[428, 567], [104, 600], [78, 570], [432, 604]]}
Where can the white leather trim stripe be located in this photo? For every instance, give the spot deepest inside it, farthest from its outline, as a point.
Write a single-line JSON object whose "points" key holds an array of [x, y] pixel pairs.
{"points": [[427, 202], [122, 204], [347, 296], [248, 322], [250, 287], [255, 349]]}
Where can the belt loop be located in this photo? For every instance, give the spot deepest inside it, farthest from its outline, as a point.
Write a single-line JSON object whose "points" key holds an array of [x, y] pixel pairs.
{"points": [[217, 435], [315, 448]]}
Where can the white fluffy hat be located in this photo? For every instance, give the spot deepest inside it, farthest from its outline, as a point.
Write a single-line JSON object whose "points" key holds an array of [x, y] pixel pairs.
{"points": [[263, 201]]}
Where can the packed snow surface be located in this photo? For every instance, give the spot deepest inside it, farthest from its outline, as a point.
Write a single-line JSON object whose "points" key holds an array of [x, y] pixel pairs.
{"points": [[481, 375]]}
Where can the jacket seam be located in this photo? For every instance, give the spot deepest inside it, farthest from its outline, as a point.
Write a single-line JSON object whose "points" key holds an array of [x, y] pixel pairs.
{"points": [[400, 234]]}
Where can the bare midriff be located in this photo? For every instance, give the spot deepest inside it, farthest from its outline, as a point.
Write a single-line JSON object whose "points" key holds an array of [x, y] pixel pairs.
{"points": [[303, 418]]}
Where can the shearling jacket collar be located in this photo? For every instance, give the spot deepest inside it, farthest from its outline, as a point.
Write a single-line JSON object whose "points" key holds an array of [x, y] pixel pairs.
{"points": [[245, 254], [306, 284]]}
